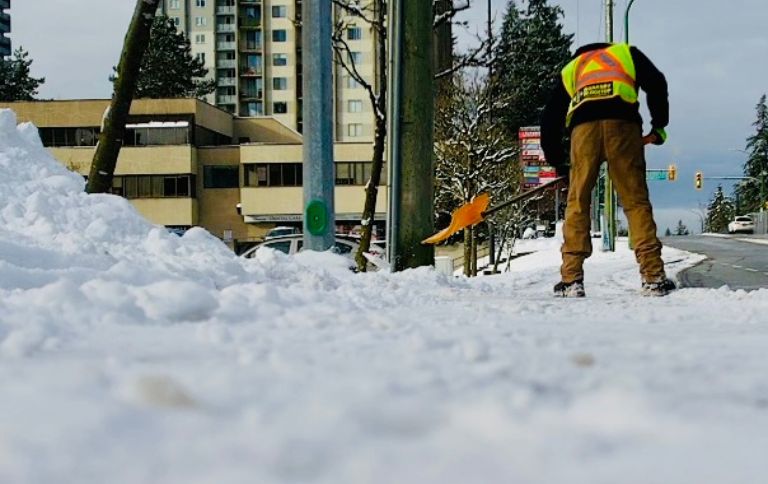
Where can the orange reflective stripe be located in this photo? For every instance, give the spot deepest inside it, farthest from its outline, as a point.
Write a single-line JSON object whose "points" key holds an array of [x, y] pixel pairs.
{"points": [[603, 76], [611, 70]]}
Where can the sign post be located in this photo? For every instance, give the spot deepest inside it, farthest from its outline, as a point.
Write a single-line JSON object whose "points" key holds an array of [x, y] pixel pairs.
{"points": [[536, 171], [319, 216]]}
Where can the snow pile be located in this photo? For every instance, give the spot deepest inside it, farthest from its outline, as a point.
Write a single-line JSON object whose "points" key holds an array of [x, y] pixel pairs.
{"points": [[128, 354]]}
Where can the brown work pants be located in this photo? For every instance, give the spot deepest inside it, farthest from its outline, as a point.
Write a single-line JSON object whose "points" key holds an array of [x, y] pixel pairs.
{"points": [[620, 143]]}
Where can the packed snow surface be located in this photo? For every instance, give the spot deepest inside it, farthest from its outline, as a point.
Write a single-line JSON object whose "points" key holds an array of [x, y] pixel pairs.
{"points": [[131, 355]]}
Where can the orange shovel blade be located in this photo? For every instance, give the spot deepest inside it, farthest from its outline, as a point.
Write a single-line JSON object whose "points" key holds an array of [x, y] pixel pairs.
{"points": [[467, 215]]}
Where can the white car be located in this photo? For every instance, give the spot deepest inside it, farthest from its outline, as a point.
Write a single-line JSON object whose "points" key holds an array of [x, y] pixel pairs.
{"points": [[345, 245], [741, 223], [280, 232]]}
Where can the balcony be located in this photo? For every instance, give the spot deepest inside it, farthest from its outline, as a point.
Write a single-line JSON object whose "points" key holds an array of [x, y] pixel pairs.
{"points": [[250, 2], [226, 28], [250, 71], [251, 46], [226, 10], [226, 99], [249, 94], [226, 63], [226, 45], [226, 81], [250, 23]]}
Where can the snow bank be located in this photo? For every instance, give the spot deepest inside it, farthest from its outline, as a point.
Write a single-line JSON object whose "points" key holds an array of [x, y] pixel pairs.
{"points": [[128, 354]]}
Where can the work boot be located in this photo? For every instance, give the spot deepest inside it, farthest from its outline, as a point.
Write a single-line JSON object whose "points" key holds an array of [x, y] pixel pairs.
{"points": [[570, 289], [658, 288]]}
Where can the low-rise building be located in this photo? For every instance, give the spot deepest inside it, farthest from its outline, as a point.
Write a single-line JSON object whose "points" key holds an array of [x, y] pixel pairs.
{"points": [[186, 163]]}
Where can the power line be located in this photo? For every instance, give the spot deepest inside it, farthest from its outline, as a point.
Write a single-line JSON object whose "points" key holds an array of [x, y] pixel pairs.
{"points": [[600, 21], [578, 17]]}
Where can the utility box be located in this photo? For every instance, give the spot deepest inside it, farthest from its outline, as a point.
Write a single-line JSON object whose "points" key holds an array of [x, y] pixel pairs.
{"points": [[761, 222], [444, 265]]}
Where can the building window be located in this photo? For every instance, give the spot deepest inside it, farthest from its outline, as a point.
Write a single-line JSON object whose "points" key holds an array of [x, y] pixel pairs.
{"points": [[221, 177], [174, 5], [53, 137], [200, 56], [199, 38], [253, 15], [253, 40], [154, 186], [252, 108], [279, 60], [351, 83], [201, 21], [252, 88], [176, 21], [353, 173], [356, 57], [280, 83], [354, 130], [354, 33], [274, 175], [280, 35], [279, 11], [200, 3], [140, 136], [355, 106], [280, 108]]}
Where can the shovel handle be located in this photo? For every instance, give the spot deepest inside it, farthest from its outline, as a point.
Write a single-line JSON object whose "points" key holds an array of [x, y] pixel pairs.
{"points": [[523, 196]]}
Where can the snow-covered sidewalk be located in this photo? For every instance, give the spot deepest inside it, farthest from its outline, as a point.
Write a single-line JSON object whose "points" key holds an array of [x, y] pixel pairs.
{"points": [[130, 355]]}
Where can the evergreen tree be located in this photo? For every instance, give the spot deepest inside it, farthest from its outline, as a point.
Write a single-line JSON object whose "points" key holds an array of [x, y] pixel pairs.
{"points": [[532, 50], [168, 69], [668, 233], [681, 228], [16, 84], [756, 165], [720, 212]]}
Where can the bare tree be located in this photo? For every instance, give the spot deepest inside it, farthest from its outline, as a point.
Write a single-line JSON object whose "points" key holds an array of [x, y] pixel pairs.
{"points": [[374, 15], [473, 154], [113, 124]]}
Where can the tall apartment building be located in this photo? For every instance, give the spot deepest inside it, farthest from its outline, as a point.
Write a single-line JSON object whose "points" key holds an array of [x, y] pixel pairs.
{"points": [[253, 49], [5, 28]]}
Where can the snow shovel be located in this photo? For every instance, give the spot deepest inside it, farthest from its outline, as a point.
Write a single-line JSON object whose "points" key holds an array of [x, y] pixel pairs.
{"points": [[477, 210]]}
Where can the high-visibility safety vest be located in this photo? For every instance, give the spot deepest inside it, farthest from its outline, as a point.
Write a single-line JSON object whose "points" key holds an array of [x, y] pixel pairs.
{"points": [[598, 75]]}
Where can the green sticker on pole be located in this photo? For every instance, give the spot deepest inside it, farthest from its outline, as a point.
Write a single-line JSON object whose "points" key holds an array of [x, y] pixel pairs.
{"points": [[316, 217]]}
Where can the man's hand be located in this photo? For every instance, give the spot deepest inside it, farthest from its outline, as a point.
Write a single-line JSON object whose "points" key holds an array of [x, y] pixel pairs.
{"points": [[658, 136], [649, 139]]}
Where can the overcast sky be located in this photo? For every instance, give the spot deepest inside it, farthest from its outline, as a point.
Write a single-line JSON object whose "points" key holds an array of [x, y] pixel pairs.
{"points": [[713, 55]]}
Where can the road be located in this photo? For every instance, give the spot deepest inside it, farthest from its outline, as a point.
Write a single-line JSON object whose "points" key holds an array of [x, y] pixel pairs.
{"points": [[738, 261]]}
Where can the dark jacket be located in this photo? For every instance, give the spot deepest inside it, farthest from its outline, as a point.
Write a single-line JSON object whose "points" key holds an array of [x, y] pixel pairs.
{"points": [[648, 78]]}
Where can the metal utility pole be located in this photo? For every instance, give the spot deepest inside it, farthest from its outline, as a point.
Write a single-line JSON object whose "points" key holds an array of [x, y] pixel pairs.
{"points": [[395, 78], [491, 235], [610, 207], [319, 215], [413, 123]]}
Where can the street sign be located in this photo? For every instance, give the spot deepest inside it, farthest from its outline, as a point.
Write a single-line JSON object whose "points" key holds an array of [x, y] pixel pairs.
{"points": [[655, 175], [532, 160]]}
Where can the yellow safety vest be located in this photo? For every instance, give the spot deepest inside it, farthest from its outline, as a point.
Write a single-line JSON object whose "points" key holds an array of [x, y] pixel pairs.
{"points": [[598, 75]]}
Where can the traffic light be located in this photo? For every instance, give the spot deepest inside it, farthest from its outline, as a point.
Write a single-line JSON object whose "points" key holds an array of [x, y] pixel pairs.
{"points": [[699, 179], [672, 173]]}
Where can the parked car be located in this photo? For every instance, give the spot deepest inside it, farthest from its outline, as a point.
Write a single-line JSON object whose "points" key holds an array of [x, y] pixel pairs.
{"points": [[280, 232], [345, 246], [743, 224]]}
